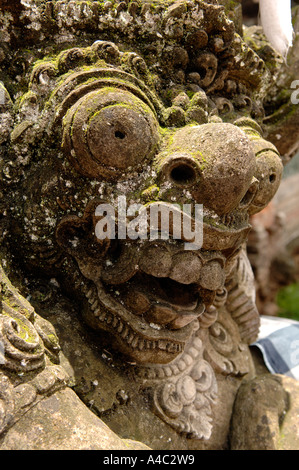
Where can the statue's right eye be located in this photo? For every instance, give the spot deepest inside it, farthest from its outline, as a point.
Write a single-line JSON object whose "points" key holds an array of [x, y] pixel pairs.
{"points": [[108, 132]]}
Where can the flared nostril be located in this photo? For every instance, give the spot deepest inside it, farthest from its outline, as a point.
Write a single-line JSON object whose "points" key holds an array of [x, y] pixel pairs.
{"points": [[183, 174], [250, 194], [179, 170]]}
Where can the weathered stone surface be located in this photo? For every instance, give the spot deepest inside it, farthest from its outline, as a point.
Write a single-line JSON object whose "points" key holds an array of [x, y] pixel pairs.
{"points": [[63, 422], [265, 414], [289, 435], [97, 376]]}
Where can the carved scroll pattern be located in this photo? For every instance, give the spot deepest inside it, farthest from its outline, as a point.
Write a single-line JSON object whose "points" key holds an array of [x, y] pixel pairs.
{"points": [[23, 348], [183, 391], [28, 349], [241, 299]]}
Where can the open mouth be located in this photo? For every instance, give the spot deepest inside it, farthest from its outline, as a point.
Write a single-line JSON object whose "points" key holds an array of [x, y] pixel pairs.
{"points": [[152, 297], [163, 303]]}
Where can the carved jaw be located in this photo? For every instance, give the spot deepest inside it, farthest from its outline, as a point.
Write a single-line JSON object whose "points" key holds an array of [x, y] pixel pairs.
{"points": [[151, 318], [151, 315]]}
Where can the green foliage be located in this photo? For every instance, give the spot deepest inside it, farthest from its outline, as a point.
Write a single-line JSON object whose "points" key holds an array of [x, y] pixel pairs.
{"points": [[288, 301]]}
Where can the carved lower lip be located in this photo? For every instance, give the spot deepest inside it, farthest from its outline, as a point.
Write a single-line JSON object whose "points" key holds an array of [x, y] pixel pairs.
{"points": [[142, 337]]}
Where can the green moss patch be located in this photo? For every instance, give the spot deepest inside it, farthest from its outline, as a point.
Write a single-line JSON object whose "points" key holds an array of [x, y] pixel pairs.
{"points": [[288, 301]]}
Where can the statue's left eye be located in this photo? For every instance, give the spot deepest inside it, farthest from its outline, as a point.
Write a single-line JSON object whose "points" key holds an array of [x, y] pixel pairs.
{"points": [[109, 131]]}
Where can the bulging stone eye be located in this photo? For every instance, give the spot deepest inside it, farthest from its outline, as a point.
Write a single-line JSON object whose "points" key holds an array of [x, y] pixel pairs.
{"points": [[109, 131]]}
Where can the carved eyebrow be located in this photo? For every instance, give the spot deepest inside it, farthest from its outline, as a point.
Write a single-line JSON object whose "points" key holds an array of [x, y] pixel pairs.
{"points": [[79, 84]]}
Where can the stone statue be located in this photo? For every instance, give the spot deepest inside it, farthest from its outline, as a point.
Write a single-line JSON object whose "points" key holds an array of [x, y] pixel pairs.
{"points": [[161, 103]]}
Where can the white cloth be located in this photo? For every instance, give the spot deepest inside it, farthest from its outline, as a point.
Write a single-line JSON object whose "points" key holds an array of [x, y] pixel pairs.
{"points": [[278, 341], [276, 20]]}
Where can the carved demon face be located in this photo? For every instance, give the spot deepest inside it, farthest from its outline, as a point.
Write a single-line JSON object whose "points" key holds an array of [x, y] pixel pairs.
{"points": [[106, 131]]}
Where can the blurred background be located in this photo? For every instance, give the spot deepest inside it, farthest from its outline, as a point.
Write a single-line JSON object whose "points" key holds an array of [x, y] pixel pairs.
{"points": [[251, 8], [273, 247]]}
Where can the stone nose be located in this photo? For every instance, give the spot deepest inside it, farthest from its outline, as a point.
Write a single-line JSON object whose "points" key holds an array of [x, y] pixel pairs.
{"points": [[216, 162]]}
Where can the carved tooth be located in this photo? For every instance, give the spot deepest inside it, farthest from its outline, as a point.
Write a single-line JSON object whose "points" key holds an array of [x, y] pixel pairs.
{"points": [[91, 299], [120, 327], [89, 293], [151, 374], [102, 316], [141, 373], [115, 322], [109, 319], [168, 371], [194, 352], [125, 331], [197, 343], [97, 312], [130, 337], [175, 369], [188, 359], [162, 344], [141, 345], [135, 342], [171, 347], [85, 289], [160, 373], [94, 305]]}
